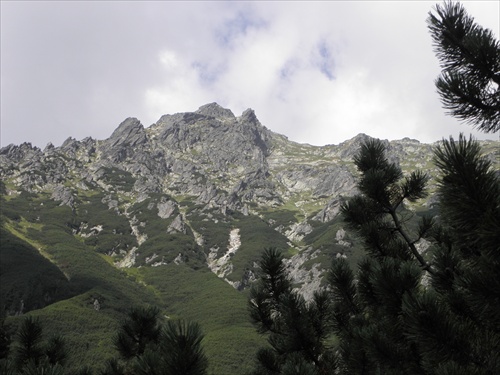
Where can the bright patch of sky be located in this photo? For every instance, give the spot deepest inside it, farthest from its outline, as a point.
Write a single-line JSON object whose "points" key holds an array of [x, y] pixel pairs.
{"points": [[317, 72]]}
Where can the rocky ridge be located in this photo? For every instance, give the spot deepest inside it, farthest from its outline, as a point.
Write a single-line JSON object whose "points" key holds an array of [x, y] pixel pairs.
{"points": [[192, 175]]}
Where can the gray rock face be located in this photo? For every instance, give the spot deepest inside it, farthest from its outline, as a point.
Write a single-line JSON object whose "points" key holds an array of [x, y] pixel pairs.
{"points": [[221, 160], [125, 143], [129, 133], [15, 154], [329, 212], [207, 166], [326, 181], [166, 209], [177, 225], [216, 111], [64, 195]]}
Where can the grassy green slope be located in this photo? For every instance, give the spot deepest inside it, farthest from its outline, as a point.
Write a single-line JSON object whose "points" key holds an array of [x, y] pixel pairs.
{"points": [[230, 340], [180, 291], [88, 332], [28, 276], [90, 276], [255, 235]]}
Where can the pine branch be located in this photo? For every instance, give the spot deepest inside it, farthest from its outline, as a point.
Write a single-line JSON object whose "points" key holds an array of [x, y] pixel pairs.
{"points": [[411, 244], [470, 58]]}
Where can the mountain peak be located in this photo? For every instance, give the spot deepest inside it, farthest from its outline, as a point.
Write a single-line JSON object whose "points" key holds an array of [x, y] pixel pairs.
{"points": [[249, 116], [215, 110], [130, 131]]}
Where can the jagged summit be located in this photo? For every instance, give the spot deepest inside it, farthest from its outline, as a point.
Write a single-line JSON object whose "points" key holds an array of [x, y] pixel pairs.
{"points": [[194, 191], [208, 111], [215, 110], [249, 116], [219, 160], [183, 188], [130, 132]]}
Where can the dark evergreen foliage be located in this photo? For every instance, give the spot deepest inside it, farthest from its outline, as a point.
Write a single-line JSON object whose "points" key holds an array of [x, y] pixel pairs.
{"points": [[150, 348], [402, 311], [29, 343], [298, 330], [85, 370], [182, 350], [31, 354], [439, 318], [266, 296], [5, 339], [468, 256], [469, 84], [469, 185], [377, 213], [139, 329], [42, 368], [113, 367], [56, 350]]}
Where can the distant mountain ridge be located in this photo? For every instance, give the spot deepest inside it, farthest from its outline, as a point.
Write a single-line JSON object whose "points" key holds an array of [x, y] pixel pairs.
{"points": [[161, 215], [207, 163]]}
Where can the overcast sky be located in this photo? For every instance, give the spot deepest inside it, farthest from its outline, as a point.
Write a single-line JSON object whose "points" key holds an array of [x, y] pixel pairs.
{"points": [[317, 72]]}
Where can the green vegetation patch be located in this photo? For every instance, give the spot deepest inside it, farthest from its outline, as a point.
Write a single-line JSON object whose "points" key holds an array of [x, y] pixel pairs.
{"points": [[280, 216], [147, 213], [255, 235], [114, 231], [230, 339], [118, 178], [167, 246], [214, 227], [29, 281], [323, 237]]}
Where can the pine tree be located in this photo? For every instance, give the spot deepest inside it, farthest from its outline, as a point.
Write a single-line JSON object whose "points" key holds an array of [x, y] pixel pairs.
{"points": [[150, 348], [388, 319], [111, 367], [141, 328], [450, 325], [31, 354], [182, 350], [402, 311], [297, 330], [29, 343], [468, 256], [5, 339], [178, 352], [55, 350], [469, 84], [368, 306], [378, 213]]}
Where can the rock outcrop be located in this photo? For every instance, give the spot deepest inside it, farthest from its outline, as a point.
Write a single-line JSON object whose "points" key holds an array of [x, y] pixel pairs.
{"points": [[158, 195]]}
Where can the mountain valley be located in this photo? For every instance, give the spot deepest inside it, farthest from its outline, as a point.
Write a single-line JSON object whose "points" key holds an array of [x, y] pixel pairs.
{"points": [[177, 215]]}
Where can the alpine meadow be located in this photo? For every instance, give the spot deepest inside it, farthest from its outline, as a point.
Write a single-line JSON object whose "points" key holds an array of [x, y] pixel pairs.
{"points": [[208, 244]]}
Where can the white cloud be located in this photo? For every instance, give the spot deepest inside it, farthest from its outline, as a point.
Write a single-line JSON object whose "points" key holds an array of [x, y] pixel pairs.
{"points": [[318, 72], [305, 80], [179, 89]]}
